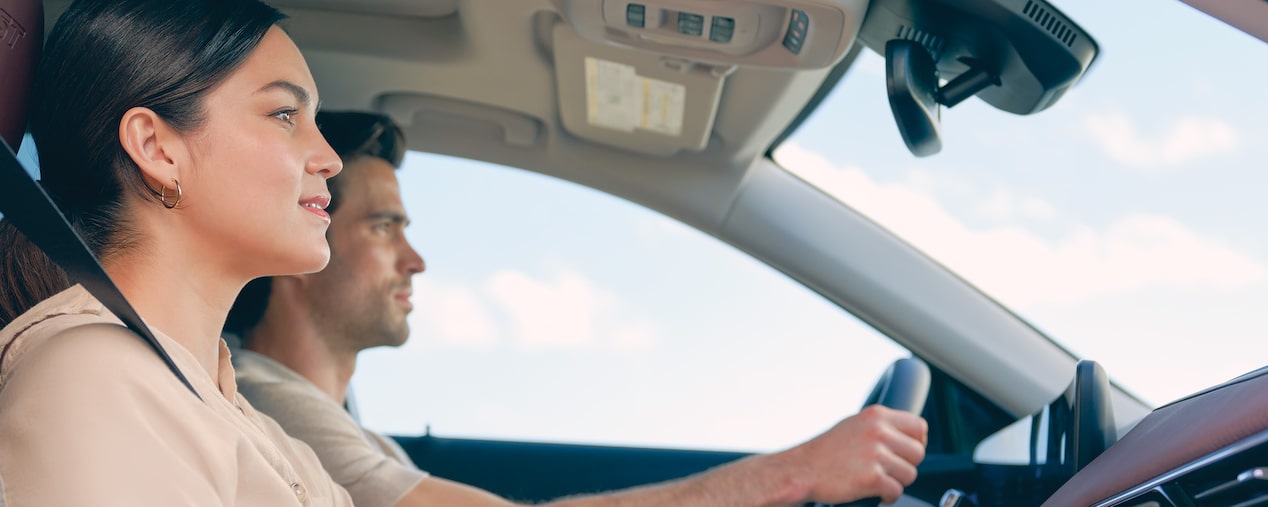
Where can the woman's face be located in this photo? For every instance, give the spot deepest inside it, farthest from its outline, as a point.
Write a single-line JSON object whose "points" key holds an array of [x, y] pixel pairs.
{"points": [[256, 184]]}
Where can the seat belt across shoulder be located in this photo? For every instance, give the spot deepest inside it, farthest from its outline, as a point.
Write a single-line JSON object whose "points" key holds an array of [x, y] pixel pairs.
{"points": [[25, 203]]}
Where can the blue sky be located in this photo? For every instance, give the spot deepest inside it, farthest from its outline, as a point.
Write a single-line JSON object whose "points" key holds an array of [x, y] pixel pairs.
{"points": [[1124, 222]]}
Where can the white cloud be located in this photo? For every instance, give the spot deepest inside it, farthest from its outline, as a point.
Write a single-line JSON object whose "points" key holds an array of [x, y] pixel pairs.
{"points": [[567, 310], [1020, 267], [450, 314], [560, 312], [1188, 139], [1002, 205], [634, 338]]}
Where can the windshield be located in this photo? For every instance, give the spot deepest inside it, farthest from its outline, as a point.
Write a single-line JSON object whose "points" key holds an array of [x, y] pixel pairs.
{"points": [[1124, 222]]}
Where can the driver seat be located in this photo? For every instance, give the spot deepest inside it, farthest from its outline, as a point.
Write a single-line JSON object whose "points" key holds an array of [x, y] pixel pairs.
{"points": [[21, 36]]}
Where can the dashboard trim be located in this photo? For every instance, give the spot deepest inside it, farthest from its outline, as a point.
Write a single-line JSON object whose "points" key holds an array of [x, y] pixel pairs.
{"points": [[1156, 482]]}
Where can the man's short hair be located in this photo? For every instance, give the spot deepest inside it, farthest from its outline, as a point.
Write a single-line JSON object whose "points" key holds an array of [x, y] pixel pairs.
{"points": [[353, 135]]}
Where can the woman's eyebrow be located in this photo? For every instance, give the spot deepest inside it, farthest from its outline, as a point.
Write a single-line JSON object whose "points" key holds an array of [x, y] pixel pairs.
{"points": [[301, 94]]}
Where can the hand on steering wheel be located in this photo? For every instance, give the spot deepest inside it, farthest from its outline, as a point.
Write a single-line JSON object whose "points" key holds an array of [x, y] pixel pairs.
{"points": [[904, 386]]}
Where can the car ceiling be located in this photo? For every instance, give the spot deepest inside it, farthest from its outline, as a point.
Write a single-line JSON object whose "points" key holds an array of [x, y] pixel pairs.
{"points": [[477, 79], [1251, 16]]}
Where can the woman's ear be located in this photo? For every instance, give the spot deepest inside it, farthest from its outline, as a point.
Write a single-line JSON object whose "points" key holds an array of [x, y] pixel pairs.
{"points": [[152, 144]]}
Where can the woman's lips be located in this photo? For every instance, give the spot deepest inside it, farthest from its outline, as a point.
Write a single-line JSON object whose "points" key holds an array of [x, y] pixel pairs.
{"points": [[317, 206]]}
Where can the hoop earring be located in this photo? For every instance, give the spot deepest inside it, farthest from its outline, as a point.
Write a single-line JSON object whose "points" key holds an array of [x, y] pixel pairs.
{"points": [[163, 195]]}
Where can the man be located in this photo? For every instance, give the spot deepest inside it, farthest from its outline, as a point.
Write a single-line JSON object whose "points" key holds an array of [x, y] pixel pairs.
{"points": [[302, 334]]}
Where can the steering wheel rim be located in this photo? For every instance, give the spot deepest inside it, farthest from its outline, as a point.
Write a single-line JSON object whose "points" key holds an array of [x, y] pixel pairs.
{"points": [[904, 386]]}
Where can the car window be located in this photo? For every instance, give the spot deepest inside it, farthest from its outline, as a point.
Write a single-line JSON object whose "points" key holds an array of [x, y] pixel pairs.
{"points": [[26, 155], [1125, 221], [553, 312]]}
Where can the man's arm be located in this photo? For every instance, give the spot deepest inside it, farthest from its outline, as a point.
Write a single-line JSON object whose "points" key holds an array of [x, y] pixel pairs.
{"points": [[872, 454]]}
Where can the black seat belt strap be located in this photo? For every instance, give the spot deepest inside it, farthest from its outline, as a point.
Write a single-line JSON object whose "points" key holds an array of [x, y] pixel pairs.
{"points": [[24, 202]]}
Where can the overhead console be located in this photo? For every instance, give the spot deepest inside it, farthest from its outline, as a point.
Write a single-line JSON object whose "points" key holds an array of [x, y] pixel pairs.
{"points": [[800, 34], [647, 76]]}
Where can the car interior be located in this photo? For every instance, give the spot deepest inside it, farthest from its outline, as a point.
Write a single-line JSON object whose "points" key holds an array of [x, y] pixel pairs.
{"points": [[677, 105]]}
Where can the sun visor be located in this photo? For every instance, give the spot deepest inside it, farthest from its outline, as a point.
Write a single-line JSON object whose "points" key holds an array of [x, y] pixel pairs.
{"points": [[635, 100]]}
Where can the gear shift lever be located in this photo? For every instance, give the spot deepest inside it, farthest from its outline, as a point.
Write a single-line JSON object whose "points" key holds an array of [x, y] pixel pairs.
{"points": [[955, 498]]}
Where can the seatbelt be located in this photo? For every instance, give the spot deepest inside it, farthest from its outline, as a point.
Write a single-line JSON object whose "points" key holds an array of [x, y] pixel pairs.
{"points": [[24, 202]]}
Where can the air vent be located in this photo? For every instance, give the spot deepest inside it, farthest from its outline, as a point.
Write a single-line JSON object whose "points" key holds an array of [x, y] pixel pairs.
{"points": [[931, 42], [1050, 22], [1247, 488]]}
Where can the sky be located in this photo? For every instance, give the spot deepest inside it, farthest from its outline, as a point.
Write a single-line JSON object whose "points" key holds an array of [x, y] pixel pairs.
{"points": [[1123, 222]]}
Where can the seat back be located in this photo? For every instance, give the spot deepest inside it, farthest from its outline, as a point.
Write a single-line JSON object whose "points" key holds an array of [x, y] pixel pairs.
{"points": [[21, 35]]}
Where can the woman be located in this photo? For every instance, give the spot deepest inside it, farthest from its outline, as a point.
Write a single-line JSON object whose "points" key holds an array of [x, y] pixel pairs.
{"points": [[179, 138]]}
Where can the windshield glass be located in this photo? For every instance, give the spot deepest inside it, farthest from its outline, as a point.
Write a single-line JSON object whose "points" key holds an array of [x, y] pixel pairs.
{"points": [[1123, 221]]}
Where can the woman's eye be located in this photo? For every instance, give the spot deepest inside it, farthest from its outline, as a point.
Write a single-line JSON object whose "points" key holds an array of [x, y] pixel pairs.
{"points": [[286, 115]]}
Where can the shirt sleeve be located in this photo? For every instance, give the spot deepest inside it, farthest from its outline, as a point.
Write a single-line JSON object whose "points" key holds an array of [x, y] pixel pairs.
{"points": [[92, 418], [372, 478]]}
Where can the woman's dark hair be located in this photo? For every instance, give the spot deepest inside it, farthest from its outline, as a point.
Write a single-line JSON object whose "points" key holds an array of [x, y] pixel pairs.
{"points": [[25, 279], [101, 59], [353, 135]]}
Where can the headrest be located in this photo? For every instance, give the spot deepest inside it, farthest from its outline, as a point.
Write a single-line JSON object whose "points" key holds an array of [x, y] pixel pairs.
{"points": [[21, 35]]}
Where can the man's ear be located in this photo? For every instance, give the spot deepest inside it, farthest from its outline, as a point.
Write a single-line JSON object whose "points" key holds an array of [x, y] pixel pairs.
{"points": [[154, 146]]}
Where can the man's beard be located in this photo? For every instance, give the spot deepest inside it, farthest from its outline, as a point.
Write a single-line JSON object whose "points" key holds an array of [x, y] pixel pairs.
{"points": [[369, 324]]}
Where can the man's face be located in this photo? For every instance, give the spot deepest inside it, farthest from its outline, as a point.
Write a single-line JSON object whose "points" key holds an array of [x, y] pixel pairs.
{"points": [[362, 297]]}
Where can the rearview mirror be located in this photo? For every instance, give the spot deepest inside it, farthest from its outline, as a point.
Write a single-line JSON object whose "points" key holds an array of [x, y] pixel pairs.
{"points": [[912, 81]]}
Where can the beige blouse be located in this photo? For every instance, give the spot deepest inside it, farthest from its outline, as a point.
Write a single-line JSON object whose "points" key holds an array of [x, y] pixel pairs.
{"points": [[90, 415]]}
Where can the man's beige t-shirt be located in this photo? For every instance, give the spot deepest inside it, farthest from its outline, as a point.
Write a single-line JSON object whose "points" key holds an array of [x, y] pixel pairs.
{"points": [[373, 468], [90, 415]]}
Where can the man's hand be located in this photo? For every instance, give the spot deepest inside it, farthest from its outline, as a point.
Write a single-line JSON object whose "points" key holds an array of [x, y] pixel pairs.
{"points": [[872, 454]]}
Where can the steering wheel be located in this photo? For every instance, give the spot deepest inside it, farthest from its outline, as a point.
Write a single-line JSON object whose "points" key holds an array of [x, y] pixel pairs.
{"points": [[904, 386]]}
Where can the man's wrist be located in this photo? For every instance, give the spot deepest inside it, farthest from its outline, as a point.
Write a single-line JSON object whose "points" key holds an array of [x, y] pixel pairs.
{"points": [[786, 481]]}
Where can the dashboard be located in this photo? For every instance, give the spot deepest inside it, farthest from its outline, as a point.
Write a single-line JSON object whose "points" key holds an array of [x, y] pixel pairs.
{"points": [[1206, 450]]}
